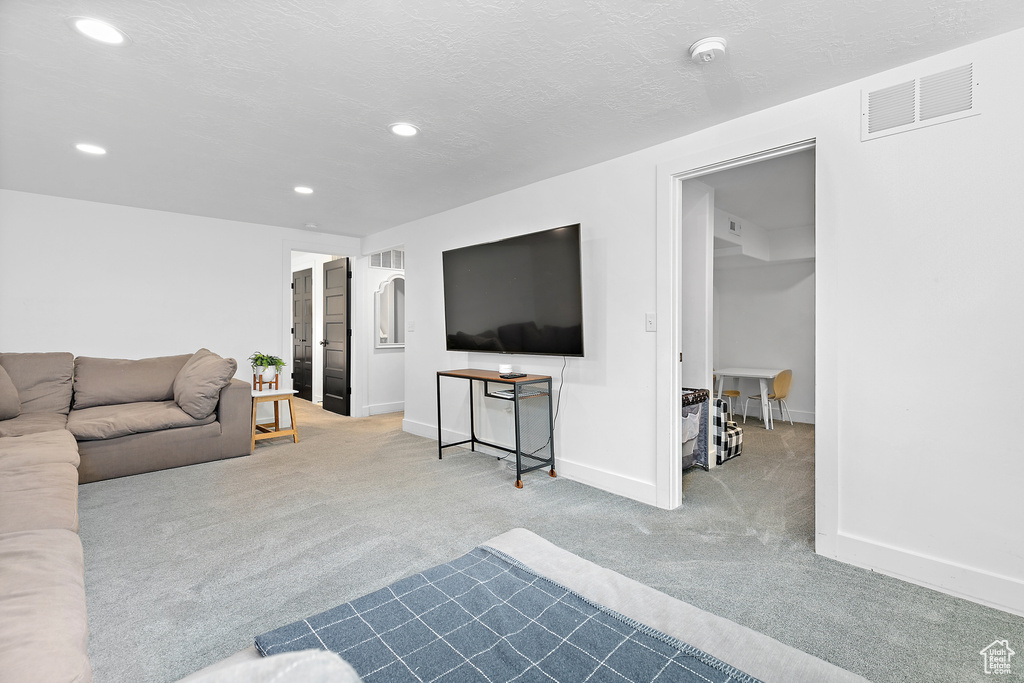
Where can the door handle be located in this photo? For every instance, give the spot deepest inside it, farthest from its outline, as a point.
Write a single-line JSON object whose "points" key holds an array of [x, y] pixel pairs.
{"points": [[323, 342]]}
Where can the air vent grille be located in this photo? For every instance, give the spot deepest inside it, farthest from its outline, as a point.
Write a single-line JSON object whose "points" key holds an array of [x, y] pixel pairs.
{"points": [[925, 101], [390, 259], [947, 93], [891, 107]]}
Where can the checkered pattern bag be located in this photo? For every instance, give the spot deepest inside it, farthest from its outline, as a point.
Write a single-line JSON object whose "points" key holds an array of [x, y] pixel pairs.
{"points": [[728, 434]]}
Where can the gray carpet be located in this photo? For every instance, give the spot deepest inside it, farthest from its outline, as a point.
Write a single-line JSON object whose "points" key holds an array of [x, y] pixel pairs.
{"points": [[185, 567]]}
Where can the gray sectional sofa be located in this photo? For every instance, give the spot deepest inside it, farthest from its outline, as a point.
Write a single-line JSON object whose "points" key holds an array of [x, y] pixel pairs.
{"points": [[65, 421]]}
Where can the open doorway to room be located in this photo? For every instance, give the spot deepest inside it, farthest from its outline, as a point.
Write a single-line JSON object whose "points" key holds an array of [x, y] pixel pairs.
{"points": [[762, 339], [763, 282], [320, 329], [740, 288]]}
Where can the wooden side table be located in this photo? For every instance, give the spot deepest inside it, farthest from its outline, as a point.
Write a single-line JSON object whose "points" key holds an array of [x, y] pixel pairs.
{"points": [[269, 430]]}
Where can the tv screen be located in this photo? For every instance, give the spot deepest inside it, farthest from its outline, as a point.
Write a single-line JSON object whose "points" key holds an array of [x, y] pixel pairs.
{"points": [[518, 295]]}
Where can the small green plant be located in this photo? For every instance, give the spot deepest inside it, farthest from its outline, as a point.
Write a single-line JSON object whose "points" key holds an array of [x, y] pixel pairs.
{"points": [[264, 360]]}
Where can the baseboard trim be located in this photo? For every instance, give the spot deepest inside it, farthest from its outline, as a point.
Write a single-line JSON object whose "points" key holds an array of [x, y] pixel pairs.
{"points": [[430, 431], [986, 588], [381, 408], [645, 492]]}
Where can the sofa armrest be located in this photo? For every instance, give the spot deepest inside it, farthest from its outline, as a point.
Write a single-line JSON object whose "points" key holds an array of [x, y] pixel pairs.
{"points": [[234, 412]]}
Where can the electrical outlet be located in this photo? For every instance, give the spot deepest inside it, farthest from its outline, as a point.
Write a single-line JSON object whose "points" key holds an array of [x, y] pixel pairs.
{"points": [[651, 322]]}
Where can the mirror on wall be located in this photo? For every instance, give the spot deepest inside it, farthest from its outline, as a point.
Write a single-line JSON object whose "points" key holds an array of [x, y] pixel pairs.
{"points": [[390, 330]]}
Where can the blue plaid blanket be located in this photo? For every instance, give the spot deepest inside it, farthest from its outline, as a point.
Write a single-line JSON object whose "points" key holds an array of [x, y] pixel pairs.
{"points": [[486, 617]]}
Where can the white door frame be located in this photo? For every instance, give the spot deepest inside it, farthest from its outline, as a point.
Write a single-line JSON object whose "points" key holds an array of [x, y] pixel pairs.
{"points": [[671, 263]]}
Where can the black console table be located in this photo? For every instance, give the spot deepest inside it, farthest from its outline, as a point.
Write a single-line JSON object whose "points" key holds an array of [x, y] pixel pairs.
{"points": [[534, 426]]}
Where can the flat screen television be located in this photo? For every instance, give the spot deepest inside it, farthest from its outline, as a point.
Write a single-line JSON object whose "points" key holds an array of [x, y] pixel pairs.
{"points": [[523, 295]]}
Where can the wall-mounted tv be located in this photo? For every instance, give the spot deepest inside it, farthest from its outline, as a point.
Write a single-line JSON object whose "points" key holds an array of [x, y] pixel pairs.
{"points": [[523, 294]]}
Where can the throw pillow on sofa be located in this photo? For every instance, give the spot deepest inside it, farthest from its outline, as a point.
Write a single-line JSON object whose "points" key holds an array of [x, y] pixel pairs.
{"points": [[10, 404], [198, 384]]}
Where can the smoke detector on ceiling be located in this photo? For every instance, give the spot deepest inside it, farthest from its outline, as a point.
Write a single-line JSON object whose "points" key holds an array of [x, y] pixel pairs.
{"points": [[706, 49]]}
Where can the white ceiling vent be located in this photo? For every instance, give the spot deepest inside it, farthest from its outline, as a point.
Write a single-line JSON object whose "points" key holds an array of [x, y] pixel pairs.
{"points": [[925, 101], [392, 259]]}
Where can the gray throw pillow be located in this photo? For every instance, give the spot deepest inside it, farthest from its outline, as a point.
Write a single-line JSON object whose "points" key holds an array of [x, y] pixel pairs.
{"points": [[197, 385], [10, 404]]}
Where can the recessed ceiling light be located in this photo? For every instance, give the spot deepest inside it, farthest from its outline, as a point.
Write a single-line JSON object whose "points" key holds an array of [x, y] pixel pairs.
{"points": [[304, 190], [404, 129], [99, 30], [90, 149]]}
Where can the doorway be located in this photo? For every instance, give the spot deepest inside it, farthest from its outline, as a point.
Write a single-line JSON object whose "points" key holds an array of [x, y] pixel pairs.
{"points": [[763, 277], [328, 294], [686, 351]]}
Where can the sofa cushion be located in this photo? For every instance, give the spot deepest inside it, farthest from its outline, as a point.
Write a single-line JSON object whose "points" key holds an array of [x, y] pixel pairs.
{"points": [[33, 423], [39, 482], [43, 380], [53, 446], [10, 404], [109, 422], [43, 627], [109, 381], [41, 495], [197, 386]]}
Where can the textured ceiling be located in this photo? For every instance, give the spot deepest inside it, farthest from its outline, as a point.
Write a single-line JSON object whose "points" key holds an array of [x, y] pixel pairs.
{"points": [[219, 108]]}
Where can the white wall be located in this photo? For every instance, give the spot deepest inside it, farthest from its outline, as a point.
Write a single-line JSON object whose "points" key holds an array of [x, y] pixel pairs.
{"points": [[764, 318], [120, 282], [385, 366], [916, 271], [612, 386]]}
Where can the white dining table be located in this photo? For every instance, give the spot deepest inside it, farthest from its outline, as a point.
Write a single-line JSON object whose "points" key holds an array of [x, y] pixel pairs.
{"points": [[762, 375]]}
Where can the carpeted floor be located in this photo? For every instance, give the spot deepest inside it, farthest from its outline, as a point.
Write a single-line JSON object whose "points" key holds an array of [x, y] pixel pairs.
{"points": [[185, 567]]}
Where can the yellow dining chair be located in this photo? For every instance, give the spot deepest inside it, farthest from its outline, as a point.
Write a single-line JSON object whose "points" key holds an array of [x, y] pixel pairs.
{"points": [[780, 390], [727, 394]]}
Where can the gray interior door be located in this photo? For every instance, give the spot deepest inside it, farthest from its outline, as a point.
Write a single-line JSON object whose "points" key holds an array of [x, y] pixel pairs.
{"points": [[337, 335], [302, 333]]}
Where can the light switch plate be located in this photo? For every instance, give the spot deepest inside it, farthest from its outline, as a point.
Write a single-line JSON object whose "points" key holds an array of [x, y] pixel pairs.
{"points": [[651, 322]]}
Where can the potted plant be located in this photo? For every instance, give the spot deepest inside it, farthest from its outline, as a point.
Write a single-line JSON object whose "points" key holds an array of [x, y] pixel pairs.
{"points": [[268, 365]]}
